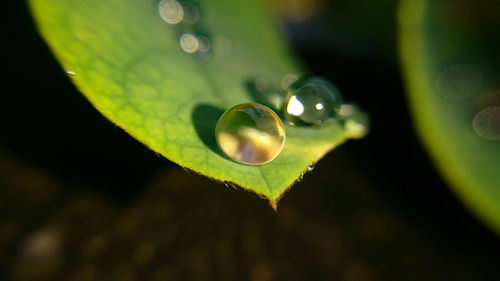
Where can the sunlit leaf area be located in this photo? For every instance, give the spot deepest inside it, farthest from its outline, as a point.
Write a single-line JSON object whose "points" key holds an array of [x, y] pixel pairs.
{"points": [[251, 140]]}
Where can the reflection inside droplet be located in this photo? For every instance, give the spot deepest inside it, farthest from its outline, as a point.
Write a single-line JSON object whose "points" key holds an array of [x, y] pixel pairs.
{"points": [[191, 13], [170, 11], [459, 81], [189, 43], [70, 72], [487, 123], [250, 133]]}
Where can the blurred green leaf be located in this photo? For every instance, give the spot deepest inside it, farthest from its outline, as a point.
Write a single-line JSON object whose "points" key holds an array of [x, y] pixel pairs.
{"points": [[129, 64], [451, 61]]}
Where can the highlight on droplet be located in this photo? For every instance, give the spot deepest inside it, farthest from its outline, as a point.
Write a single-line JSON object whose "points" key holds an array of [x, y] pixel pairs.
{"points": [[295, 107]]}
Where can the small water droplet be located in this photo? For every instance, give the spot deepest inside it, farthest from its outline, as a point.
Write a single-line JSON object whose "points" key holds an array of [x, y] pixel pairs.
{"points": [[222, 46], [70, 72], [250, 133], [189, 43], [288, 79], [191, 13], [311, 101], [357, 125], [346, 110], [310, 167], [487, 123], [170, 11], [459, 81]]}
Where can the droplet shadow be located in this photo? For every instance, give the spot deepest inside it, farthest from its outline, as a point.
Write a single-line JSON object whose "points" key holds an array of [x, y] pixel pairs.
{"points": [[205, 117], [263, 97]]}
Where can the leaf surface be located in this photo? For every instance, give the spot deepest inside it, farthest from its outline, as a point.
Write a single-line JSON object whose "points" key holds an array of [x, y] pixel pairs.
{"points": [[127, 61]]}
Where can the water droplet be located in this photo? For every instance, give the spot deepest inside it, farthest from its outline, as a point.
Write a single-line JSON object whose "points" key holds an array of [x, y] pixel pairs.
{"points": [[222, 46], [311, 101], [459, 81], [310, 167], [170, 11], [191, 13], [357, 124], [346, 110], [189, 43], [487, 123], [70, 72], [288, 79], [250, 133]]}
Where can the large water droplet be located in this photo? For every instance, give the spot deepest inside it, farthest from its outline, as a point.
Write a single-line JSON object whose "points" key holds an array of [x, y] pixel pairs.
{"points": [[311, 101], [170, 11], [487, 123], [250, 133]]}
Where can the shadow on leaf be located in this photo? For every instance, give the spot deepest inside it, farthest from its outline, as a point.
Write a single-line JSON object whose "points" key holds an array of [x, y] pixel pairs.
{"points": [[205, 117], [270, 97]]}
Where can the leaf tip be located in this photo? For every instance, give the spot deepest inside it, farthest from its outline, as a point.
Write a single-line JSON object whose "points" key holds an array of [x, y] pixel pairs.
{"points": [[273, 204]]}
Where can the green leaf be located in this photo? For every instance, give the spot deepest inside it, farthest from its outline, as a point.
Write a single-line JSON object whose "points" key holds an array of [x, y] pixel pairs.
{"points": [[128, 63], [451, 62]]}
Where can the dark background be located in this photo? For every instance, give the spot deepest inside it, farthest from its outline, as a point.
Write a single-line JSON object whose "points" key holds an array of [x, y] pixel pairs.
{"points": [[82, 200]]}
